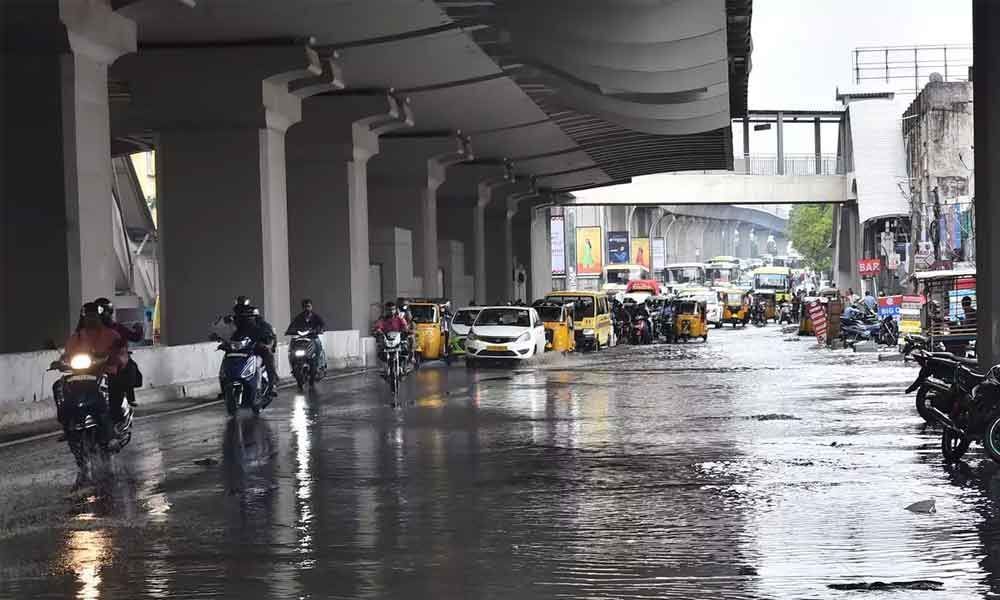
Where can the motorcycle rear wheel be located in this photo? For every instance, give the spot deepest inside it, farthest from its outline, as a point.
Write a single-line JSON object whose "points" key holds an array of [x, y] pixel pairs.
{"points": [[953, 446], [300, 378]]}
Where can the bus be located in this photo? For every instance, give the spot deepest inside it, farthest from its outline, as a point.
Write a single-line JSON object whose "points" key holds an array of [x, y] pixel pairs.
{"points": [[616, 277], [680, 275], [722, 271]]}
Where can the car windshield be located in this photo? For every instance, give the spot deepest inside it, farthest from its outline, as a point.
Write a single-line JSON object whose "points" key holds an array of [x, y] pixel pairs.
{"points": [[771, 280], [503, 317], [550, 314], [423, 313], [465, 317], [685, 274], [583, 305], [623, 275]]}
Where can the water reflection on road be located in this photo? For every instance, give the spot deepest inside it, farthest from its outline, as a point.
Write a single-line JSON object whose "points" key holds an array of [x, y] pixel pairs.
{"points": [[747, 467]]}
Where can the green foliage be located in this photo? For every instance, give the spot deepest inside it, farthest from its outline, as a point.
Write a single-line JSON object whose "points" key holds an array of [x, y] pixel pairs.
{"points": [[810, 227]]}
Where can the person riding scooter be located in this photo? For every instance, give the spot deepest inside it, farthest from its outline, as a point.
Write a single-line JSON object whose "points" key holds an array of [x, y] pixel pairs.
{"points": [[129, 378], [250, 324], [309, 320], [93, 337]]}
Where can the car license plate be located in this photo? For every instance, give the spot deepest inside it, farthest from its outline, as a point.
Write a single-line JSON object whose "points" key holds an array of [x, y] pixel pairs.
{"points": [[493, 348]]}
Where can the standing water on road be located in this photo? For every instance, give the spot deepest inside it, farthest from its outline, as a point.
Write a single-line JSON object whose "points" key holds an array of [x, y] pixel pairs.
{"points": [[746, 467]]}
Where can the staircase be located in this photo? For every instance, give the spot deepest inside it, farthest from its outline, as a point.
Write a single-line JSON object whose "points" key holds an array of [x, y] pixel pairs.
{"points": [[134, 239]]}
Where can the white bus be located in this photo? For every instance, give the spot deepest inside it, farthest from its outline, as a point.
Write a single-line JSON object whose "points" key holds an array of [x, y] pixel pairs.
{"points": [[616, 277]]}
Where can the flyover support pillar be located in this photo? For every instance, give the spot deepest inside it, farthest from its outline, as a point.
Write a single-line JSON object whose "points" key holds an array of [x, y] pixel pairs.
{"points": [[847, 247], [986, 55], [485, 191], [541, 265], [56, 234], [743, 249]]}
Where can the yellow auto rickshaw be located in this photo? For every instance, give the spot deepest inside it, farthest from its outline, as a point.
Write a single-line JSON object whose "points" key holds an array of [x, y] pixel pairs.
{"points": [[428, 329], [560, 330], [690, 320], [735, 307]]}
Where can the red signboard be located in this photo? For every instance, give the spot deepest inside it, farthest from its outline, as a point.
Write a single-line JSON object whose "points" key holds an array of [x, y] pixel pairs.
{"points": [[869, 267], [817, 314]]}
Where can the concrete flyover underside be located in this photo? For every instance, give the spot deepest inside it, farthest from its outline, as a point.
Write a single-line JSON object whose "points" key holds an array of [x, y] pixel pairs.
{"points": [[304, 147]]}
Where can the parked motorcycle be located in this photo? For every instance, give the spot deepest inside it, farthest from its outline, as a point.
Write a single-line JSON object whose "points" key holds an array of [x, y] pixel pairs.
{"points": [[82, 407], [888, 334], [935, 384], [759, 315], [243, 377], [973, 416], [303, 355]]}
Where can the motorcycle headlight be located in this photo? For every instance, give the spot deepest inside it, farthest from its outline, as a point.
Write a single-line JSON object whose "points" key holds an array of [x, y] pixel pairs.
{"points": [[80, 362], [524, 337], [300, 353]]}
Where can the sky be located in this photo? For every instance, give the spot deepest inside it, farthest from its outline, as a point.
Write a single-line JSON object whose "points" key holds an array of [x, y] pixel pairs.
{"points": [[803, 51]]}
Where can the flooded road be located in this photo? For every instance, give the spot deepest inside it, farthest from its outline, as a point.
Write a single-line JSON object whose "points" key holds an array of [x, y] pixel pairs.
{"points": [[747, 467]]}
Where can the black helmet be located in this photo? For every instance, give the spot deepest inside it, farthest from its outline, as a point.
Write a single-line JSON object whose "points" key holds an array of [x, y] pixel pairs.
{"points": [[107, 307], [91, 308]]}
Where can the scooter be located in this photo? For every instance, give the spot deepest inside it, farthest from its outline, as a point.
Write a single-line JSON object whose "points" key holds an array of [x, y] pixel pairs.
{"points": [[785, 314], [82, 407], [303, 356], [640, 331], [243, 377]]}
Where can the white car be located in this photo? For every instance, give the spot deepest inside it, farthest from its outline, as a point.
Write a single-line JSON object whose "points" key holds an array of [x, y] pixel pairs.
{"points": [[505, 332], [462, 320]]}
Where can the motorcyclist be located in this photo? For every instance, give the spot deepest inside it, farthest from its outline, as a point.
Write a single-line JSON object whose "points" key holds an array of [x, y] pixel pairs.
{"points": [[391, 321], [309, 320], [129, 378], [250, 324], [97, 339]]}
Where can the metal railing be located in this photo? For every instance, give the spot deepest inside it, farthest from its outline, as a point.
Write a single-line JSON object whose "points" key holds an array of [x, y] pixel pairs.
{"points": [[905, 69], [794, 164]]}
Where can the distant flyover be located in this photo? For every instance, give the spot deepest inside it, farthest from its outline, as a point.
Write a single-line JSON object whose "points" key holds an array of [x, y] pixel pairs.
{"points": [[718, 188]]}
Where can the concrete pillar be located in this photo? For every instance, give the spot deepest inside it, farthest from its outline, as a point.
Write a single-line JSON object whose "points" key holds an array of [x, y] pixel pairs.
{"points": [[699, 238], [743, 245], [56, 236], [986, 56], [712, 242], [781, 142], [484, 197], [329, 234], [541, 264], [847, 247], [437, 173]]}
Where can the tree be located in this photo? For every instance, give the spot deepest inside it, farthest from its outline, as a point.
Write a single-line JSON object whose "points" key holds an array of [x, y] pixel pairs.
{"points": [[810, 227]]}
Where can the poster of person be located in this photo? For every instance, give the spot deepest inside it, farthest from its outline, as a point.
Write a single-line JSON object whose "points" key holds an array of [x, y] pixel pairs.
{"points": [[589, 252], [617, 247], [640, 251]]}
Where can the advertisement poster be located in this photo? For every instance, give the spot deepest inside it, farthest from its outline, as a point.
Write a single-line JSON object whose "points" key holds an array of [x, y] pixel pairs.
{"points": [[890, 306], [640, 251], [589, 252], [909, 314], [617, 247], [659, 251], [557, 243], [869, 267]]}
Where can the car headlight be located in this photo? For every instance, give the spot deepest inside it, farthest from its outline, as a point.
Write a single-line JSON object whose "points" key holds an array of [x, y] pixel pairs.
{"points": [[471, 337], [300, 353], [588, 332], [80, 362], [524, 337]]}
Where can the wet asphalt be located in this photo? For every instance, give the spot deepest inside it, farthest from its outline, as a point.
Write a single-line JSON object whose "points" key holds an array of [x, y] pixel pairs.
{"points": [[748, 467]]}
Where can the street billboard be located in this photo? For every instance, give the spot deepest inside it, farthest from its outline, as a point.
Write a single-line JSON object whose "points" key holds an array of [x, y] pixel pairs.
{"points": [[589, 252], [557, 244], [640, 251], [618, 253], [659, 252]]}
